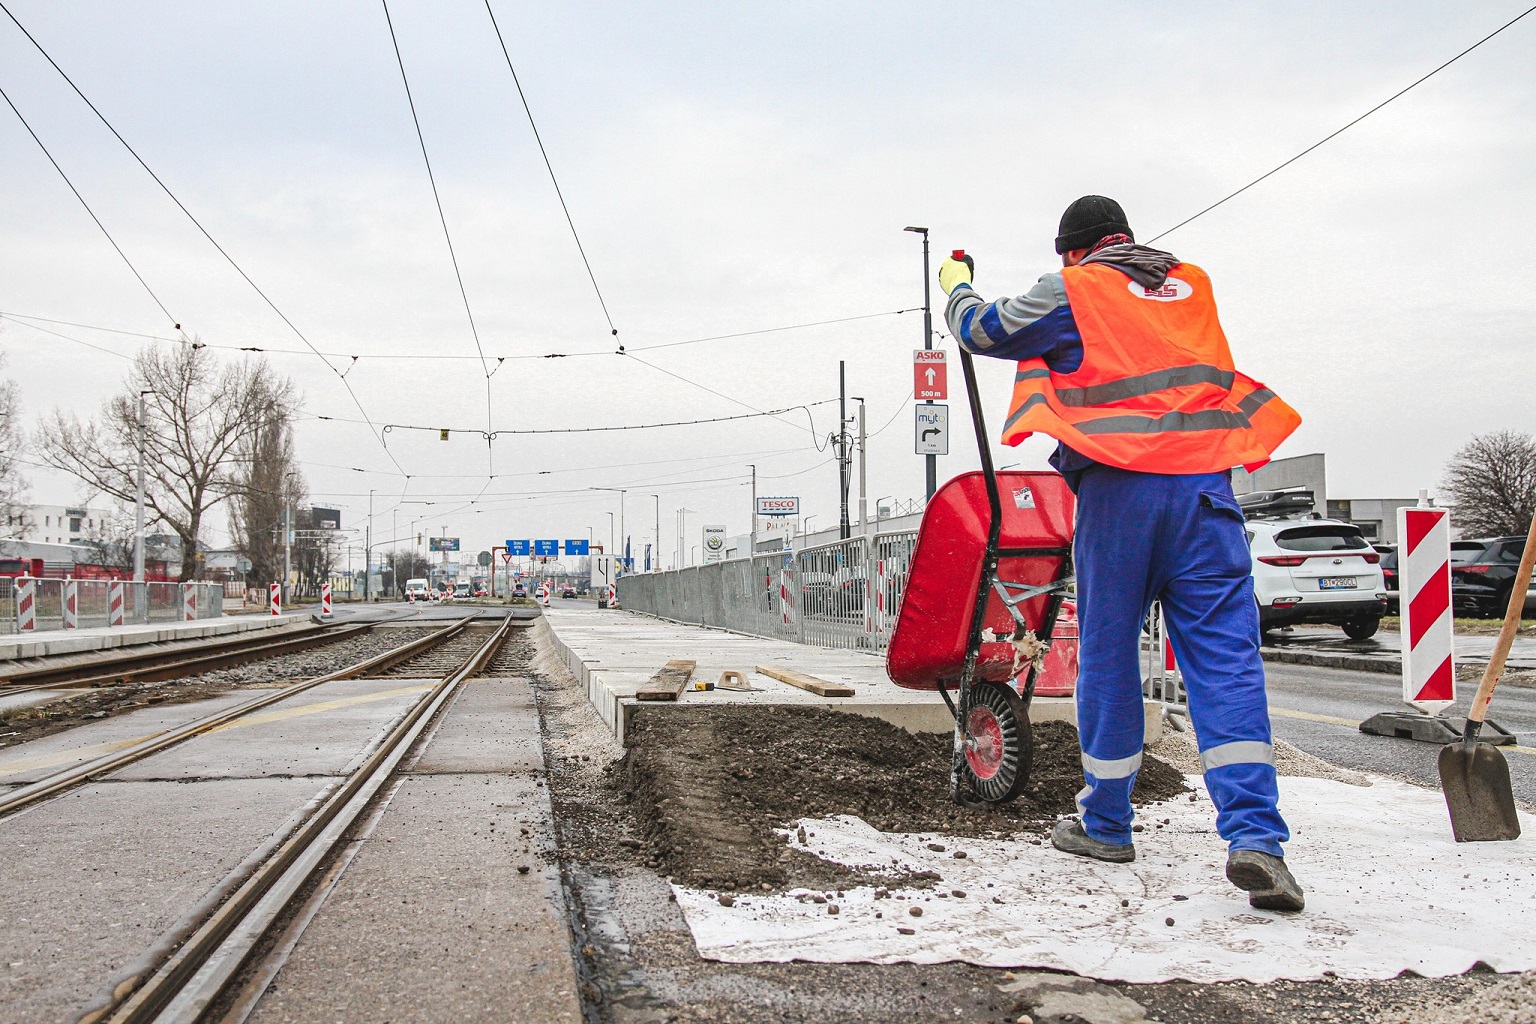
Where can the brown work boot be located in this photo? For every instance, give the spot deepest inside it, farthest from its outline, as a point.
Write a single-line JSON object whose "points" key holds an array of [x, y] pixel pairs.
{"points": [[1266, 879], [1068, 836]]}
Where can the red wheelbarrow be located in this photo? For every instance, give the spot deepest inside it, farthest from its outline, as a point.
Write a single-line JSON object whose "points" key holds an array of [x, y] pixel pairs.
{"points": [[984, 589]]}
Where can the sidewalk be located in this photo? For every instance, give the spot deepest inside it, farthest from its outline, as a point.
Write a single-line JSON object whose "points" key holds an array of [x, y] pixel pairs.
{"points": [[613, 653], [14, 646]]}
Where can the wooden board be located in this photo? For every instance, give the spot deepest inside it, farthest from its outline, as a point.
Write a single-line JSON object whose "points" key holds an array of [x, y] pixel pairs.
{"points": [[668, 683], [820, 687]]}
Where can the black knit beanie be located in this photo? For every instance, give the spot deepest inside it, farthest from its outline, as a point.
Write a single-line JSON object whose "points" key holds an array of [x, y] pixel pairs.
{"points": [[1090, 219]]}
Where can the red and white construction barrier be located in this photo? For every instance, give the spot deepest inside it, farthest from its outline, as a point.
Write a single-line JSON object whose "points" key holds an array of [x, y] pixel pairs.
{"points": [[786, 599], [325, 600], [188, 603], [613, 596], [116, 603], [1424, 567], [26, 603], [275, 598], [69, 604]]}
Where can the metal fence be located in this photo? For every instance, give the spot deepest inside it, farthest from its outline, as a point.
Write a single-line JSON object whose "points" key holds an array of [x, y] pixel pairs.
{"points": [[841, 595], [141, 603]]}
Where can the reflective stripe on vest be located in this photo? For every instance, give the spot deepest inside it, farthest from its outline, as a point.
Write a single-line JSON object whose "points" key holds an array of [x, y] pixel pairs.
{"points": [[1157, 391]]}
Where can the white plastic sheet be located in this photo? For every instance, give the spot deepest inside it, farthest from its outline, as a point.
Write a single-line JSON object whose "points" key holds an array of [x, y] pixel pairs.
{"points": [[1388, 890]]}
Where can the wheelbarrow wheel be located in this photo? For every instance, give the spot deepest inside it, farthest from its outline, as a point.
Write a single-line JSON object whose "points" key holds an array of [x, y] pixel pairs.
{"points": [[999, 746]]}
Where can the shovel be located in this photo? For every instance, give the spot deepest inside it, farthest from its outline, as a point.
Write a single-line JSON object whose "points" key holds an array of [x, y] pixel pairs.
{"points": [[1475, 776]]}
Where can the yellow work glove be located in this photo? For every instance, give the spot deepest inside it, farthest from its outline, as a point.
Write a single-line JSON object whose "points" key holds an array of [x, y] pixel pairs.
{"points": [[955, 271]]}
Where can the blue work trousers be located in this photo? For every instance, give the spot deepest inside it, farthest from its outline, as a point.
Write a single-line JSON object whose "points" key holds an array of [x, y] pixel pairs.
{"points": [[1178, 539]]}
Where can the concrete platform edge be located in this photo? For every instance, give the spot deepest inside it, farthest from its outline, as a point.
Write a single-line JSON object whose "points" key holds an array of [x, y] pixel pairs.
{"points": [[16, 646]]}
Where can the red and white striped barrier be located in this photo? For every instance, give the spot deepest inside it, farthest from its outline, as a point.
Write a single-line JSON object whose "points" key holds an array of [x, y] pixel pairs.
{"points": [[1424, 588], [786, 600], [325, 600], [275, 598], [613, 596], [115, 603], [69, 604], [188, 602], [26, 603]]}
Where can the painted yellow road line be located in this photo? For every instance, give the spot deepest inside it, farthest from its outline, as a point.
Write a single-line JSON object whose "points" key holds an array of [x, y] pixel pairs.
{"points": [[70, 756], [1308, 716], [283, 714], [81, 754]]}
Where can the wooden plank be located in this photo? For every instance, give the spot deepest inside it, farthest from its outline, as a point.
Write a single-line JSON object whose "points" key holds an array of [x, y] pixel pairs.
{"points": [[668, 683], [820, 687]]}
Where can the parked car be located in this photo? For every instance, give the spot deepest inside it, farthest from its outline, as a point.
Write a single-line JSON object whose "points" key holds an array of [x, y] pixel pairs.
{"points": [[1316, 571], [1388, 554], [1483, 574]]}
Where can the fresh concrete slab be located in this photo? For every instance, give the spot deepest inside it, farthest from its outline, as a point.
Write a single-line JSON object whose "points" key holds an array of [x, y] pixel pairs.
{"points": [[93, 878], [612, 653], [451, 910]]}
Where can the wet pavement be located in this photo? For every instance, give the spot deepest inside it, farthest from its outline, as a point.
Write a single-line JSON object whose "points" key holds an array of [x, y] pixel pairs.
{"points": [[1382, 652]]}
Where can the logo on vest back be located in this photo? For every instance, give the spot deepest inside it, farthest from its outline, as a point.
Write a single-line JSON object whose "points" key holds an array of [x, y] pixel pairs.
{"points": [[1172, 290]]}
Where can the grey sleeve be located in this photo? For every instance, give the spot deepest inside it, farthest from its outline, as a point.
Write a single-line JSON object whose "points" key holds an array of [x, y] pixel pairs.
{"points": [[998, 328]]}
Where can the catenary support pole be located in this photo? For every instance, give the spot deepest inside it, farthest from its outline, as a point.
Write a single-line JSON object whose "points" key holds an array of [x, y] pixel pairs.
{"points": [[843, 455], [752, 533], [138, 510], [863, 474], [932, 461]]}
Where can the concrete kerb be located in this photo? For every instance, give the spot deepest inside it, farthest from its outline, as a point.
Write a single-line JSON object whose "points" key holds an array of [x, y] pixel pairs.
{"points": [[613, 653], [81, 641]]}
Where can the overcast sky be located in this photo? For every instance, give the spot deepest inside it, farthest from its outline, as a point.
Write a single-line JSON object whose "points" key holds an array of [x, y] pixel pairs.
{"points": [[736, 167]]}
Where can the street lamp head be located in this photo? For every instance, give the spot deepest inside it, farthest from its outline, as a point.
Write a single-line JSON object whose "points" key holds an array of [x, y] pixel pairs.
{"points": [[922, 231]]}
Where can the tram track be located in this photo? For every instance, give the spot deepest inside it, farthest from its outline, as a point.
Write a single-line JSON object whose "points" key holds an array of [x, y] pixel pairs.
{"points": [[69, 778], [209, 954]]}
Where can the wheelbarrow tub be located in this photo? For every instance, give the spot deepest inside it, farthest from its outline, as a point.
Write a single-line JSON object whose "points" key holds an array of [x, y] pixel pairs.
{"points": [[933, 624]]}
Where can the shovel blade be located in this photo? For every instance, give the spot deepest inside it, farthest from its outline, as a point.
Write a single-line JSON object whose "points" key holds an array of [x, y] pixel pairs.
{"points": [[1478, 793]]}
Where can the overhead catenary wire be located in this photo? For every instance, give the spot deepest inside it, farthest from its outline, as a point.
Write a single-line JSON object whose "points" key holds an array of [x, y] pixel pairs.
{"points": [[110, 240], [551, 169], [1332, 135], [442, 219], [389, 427], [204, 231]]}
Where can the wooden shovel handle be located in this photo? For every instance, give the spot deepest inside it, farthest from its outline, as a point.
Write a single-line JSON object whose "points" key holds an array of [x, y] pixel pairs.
{"points": [[1506, 639]]}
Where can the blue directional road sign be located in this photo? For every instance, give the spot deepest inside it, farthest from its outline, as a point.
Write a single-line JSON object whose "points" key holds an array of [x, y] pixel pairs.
{"points": [[518, 547], [578, 547], [546, 549]]}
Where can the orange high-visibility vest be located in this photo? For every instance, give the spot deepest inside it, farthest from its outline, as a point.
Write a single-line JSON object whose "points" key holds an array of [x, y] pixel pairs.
{"points": [[1157, 391]]}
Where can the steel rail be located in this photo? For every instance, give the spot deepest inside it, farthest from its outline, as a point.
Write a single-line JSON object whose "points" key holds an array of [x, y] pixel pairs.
{"points": [[281, 876], [68, 778], [145, 666]]}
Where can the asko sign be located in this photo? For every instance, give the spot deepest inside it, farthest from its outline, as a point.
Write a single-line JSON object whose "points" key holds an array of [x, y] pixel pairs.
{"points": [[930, 379], [778, 506]]}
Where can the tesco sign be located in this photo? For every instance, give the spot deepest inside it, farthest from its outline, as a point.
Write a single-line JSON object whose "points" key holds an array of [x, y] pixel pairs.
{"points": [[778, 506]]}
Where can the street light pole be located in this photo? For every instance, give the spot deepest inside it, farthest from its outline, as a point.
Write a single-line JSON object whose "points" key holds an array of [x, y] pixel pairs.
{"points": [[863, 474], [656, 564], [368, 553], [932, 461], [138, 514], [752, 541]]}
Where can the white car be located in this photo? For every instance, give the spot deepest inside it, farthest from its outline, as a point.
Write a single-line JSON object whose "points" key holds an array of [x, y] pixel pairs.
{"points": [[1316, 571]]}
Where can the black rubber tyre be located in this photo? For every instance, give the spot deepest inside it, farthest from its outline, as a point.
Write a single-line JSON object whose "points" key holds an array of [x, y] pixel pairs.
{"points": [[1001, 745], [1361, 629]]}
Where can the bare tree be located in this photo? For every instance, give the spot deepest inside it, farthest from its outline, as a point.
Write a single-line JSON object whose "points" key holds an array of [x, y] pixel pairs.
{"points": [[199, 416], [265, 484], [1492, 480], [13, 487]]}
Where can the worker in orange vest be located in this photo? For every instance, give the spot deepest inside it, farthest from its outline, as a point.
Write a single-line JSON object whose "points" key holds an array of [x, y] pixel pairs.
{"points": [[1122, 359]]}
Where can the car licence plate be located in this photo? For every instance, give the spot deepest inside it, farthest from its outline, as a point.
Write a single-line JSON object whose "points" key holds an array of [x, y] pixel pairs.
{"points": [[1336, 583]]}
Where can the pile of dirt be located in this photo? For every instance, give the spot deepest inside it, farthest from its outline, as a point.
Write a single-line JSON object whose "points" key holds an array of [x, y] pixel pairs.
{"points": [[707, 788]]}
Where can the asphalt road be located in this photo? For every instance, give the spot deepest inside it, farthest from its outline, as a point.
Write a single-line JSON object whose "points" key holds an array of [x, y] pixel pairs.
{"points": [[1319, 710]]}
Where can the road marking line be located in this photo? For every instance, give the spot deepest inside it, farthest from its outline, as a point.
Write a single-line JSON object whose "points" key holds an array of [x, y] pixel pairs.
{"points": [[82, 754], [1308, 716], [326, 705]]}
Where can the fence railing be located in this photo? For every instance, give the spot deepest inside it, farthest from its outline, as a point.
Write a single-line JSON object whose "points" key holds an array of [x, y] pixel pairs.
{"points": [[45, 604], [842, 595]]}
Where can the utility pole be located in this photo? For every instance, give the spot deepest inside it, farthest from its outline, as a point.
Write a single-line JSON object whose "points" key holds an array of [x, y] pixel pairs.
{"points": [[843, 455], [138, 513], [656, 564], [368, 553], [863, 473], [752, 534], [931, 460]]}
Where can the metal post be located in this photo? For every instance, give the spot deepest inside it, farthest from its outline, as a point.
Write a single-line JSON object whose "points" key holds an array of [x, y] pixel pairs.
{"points": [[138, 513], [623, 537], [752, 534], [657, 563], [932, 461], [368, 554], [843, 456], [287, 533], [863, 474]]}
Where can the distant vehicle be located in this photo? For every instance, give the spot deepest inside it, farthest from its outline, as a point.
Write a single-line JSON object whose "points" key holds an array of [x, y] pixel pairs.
{"points": [[416, 590], [568, 592], [480, 588], [1316, 571], [1483, 574], [519, 591], [462, 591], [1388, 554]]}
